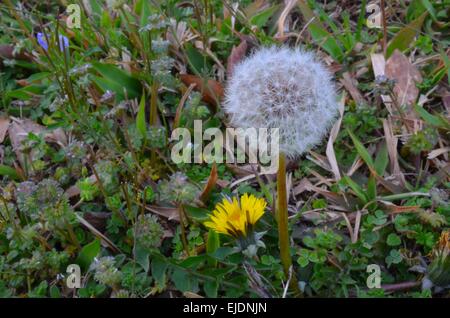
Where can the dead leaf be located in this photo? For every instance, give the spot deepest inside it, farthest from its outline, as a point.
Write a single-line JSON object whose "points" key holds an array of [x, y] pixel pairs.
{"points": [[283, 16], [106, 241], [57, 136], [237, 55], [396, 209], [391, 142], [333, 135], [7, 52], [379, 68], [4, 125], [350, 85], [213, 176], [183, 99], [211, 90], [170, 213], [406, 76]]}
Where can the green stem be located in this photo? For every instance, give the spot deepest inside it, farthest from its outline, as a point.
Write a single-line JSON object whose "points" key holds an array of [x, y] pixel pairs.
{"points": [[183, 230], [283, 226]]}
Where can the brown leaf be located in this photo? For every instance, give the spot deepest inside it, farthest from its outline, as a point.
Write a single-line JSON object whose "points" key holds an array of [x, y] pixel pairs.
{"points": [[57, 136], [211, 90], [97, 219], [213, 176], [178, 112], [281, 23], [167, 212], [406, 76], [7, 52], [333, 135], [391, 143], [237, 55], [4, 125], [379, 69], [350, 85], [105, 241]]}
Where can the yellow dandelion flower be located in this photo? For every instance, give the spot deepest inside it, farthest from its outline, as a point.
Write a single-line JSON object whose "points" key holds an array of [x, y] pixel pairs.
{"points": [[237, 218]]}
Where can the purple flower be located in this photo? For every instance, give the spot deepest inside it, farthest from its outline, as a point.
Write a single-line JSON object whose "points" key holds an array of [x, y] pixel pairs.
{"points": [[63, 41], [42, 41]]}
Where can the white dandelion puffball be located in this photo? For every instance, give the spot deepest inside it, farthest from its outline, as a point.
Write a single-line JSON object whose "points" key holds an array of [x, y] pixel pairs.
{"points": [[283, 88]]}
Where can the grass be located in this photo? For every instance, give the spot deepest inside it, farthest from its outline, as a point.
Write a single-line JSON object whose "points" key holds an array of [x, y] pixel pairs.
{"points": [[85, 152]]}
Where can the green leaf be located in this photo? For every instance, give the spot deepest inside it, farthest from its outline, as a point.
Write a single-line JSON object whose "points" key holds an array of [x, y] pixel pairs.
{"points": [[430, 119], [430, 9], [356, 188], [372, 188], [54, 292], [260, 19], [142, 256], [222, 252], [193, 262], [140, 118], [318, 32], [116, 80], [393, 240], [198, 214], [159, 267], [394, 257], [182, 280], [88, 253], [381, 160], [406, 35], [212, 244], [210, 288], [362, 151], [8, 171], [197, 61]]}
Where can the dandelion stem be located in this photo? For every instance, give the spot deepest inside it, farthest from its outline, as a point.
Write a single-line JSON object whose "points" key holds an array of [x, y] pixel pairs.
{"points": [[183, 230], [283, 227]]}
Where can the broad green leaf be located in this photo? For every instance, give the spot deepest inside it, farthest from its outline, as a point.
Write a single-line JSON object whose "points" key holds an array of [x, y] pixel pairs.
{"points": [[198, 214], [260, 19], [210, 288], [8, 171], [141, 255], [381, 160], [88, 253], [143, 9], [406, 35], [427, 4], [140, 118], [197, 61], [183, 281], [193, 261], [430, 119], [362, 151], [25, 93], [159, 267], [393, 240], [118, 81], [372, 188], [54, 292], [222, 252], [212, 244], [318, 32], [356, 188]]}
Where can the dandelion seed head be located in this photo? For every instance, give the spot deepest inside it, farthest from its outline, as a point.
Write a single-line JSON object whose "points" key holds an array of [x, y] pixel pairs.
{"points": [[283, 88]]}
